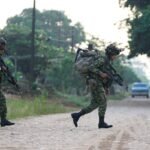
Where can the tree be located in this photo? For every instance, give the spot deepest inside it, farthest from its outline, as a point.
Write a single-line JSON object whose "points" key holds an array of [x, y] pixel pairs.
{"points": [[55, 24], [139, 4], [139, 27], [139, 34], [53, 31], [125, 70]]}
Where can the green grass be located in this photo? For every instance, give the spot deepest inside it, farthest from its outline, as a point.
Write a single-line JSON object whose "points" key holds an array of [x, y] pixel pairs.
{"points": [[84, 100], [19, 108], [74, 99], [118, 96]]}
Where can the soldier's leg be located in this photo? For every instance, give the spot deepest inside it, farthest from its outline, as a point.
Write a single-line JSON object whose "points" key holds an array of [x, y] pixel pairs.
{"points": [[93, 105], [3, 108], [102, 110], [3, 111], [102, 104], [76, 116]]}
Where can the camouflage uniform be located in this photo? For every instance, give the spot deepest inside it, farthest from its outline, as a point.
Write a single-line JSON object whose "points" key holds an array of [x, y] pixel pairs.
{"points": [[98, 97], [97, 85], [3, 108]]}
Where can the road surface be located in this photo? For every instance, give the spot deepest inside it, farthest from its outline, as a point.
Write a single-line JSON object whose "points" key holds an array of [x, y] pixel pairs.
{"points": [[131, 130]]}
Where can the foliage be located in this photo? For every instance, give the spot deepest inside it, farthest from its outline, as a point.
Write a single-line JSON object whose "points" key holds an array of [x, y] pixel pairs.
{"points": [[139, 4], [139, 26], [74, 99], [125, 71], [54, 58], [59, 74], [53, 31], [51, 25], [19, 108], [139, 32], [118, 96]]}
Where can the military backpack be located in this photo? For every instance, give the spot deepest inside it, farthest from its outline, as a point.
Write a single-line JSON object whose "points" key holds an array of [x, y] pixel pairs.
{"points": [[84, 58]]}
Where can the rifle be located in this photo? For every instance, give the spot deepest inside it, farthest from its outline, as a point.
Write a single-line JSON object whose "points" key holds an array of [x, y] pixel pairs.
{"points": [[8, 74], [112, 76]]}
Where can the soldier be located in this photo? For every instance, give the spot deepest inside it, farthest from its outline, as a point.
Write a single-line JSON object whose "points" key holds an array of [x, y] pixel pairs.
{"points": [[96, 84], [3, 107]]}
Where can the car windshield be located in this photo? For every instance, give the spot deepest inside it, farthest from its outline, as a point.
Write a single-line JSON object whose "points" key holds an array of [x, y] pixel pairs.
{"points": [[140, 85]]}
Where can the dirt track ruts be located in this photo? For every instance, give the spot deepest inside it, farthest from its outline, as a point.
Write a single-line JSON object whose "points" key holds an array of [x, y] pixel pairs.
{"points": [[131, 131]]}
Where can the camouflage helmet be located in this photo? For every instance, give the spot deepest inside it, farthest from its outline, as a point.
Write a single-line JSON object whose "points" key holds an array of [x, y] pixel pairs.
{"points": [[112, 50], [2, 41]]}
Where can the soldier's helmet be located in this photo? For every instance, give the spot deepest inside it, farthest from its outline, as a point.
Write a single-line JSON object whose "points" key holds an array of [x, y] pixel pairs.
{"points": [[112, 49], [2, 41]]}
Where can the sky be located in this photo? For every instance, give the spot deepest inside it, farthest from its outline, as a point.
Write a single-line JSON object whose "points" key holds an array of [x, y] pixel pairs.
{"points": [[98, 17]]}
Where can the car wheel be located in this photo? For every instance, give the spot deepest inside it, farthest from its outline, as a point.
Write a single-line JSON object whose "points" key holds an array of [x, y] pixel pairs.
{"points": [[147, 96], [132, 96]]}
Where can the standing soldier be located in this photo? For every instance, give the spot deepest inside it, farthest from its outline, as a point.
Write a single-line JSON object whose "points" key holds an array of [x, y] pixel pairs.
{"points": [[3, 107], [96, 84]]}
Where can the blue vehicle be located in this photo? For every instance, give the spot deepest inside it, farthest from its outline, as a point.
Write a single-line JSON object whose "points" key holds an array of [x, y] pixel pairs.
{"points": [[140, 89]]}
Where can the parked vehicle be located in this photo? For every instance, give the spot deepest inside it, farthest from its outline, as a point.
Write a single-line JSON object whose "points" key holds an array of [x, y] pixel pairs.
{"points": [[140, 89]]}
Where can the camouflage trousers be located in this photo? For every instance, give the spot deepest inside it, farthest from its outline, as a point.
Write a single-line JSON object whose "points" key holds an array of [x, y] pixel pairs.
{"points": [[3, 108], [98, 100]]}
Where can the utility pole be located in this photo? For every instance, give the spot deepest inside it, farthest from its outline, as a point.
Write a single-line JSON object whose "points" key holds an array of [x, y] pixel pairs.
{"points": [[33, 43]]}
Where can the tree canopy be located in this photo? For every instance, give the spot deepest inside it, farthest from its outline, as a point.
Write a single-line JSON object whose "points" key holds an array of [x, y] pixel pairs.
{"points": [[55, 38], [139, 4], [139, 27]]}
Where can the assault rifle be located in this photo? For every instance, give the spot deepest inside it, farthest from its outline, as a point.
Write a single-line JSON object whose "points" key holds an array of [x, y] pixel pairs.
{"points": [[7, 73], [113, 76]]}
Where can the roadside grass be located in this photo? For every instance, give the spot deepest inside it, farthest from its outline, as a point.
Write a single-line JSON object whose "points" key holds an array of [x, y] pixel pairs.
{"points": [[118, 96], [19, 108], [84, 100], [75, 99], [41, 105]]}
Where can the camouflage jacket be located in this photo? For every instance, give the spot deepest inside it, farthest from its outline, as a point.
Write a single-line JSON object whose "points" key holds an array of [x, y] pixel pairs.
{"points": [[99, 65]]}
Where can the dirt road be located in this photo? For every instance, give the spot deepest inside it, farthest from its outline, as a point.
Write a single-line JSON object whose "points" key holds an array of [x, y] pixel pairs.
{"points": [[131, 131]]}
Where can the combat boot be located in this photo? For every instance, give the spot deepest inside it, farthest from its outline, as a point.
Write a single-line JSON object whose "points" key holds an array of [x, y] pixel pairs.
{"points": [[103, 124], [5, 122], [76, 116]]}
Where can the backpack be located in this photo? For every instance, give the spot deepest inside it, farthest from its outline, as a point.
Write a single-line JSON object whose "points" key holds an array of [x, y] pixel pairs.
{"points": [[84, 59]]}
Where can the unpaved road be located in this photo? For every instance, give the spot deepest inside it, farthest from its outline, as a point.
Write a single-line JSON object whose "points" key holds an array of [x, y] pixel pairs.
{"points": [[131, 131]]}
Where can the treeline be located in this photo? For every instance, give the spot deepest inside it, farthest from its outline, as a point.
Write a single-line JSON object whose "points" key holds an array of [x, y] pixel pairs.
{"points": [[138, 26], [55, 40]]}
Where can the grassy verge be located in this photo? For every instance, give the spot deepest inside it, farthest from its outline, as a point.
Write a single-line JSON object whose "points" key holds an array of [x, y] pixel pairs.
{"points": [[19, 108], [118, 96], [84, 100], [76, 100]]}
